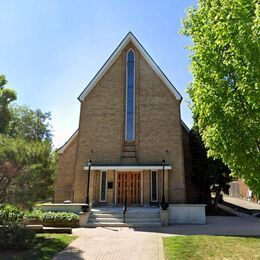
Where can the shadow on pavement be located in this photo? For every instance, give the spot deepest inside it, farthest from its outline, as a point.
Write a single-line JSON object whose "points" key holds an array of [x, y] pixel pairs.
{"points": [[70, 253]]}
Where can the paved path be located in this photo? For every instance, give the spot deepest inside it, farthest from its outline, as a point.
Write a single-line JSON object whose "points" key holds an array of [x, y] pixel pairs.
{"points": [[242, 203], [113, 243], [146, 243]]}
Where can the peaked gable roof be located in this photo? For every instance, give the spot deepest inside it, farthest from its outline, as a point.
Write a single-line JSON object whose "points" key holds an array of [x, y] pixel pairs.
{"points": [[64, 147], [129, 37]]}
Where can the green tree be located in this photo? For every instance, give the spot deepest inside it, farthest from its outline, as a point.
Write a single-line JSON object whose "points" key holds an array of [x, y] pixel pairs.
{"points": [[26, 170], [33, 125], [6, 97], [210, 176], [225, 91]]}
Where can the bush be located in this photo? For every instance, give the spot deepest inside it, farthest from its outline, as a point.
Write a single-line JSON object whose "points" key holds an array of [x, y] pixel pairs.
{"points": [[35, 214], [51, 216], [10, 213], [14, 236], [58, 216]]}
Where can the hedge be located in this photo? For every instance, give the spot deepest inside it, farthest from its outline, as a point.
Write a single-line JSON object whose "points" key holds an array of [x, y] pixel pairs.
{"points": [[52, 216], [12, 213]]}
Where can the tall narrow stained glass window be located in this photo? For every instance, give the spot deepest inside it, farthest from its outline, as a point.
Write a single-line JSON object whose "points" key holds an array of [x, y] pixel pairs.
{"points": [[130, 96]]}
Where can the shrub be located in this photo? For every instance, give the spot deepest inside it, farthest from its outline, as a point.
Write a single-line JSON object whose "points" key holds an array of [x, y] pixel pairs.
{"points": [[35, 214], [58, 216], [10, 213], [51, 216], [14, 236]]}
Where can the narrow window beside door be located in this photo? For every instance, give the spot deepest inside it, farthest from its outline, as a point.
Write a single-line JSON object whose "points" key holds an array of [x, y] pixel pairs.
{"points": [[103, 186], [154, 187]]}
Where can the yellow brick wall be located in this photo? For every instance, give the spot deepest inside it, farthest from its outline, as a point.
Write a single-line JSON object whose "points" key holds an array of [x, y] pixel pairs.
{"points": [[158, 127], [65, 173]]}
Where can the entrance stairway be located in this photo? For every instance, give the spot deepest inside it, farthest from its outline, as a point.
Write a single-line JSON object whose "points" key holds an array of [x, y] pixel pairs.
{"points": [[114, 217]]}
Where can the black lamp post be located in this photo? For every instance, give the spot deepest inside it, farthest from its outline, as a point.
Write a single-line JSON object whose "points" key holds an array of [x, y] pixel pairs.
{"points": [[89, 167], [164, 205]]}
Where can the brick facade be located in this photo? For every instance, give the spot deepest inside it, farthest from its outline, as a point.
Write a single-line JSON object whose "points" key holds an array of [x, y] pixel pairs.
{"points": [[158, 128]]}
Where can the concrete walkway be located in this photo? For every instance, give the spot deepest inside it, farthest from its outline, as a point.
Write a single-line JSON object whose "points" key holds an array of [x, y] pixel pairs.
{"points": [[242, 203], [146, 243]]}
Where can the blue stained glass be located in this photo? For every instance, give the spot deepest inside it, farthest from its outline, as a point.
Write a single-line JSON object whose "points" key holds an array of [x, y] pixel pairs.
{"points": [[130, 96]]}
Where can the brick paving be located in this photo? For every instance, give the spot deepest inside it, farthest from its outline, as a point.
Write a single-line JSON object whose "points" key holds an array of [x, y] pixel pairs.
{"points": [[146, 243], [112, 244]]}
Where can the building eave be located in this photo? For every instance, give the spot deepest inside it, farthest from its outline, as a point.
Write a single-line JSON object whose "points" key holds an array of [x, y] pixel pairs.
{"points": [[129, 37], [185, 126], [63, 148], [128, 167]]}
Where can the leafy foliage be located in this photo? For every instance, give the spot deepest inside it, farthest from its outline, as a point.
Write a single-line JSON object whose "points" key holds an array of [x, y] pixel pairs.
{"points": [[27, 170], [210, 176], [6, 97], [34, 214], [51, 216], [32, 125], [58, 216], [10, 213], [27, 163], [225, 89], [14, 236]]}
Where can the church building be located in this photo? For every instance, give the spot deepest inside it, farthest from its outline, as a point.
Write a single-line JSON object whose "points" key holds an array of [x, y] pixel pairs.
{"points": [[131, 145]]}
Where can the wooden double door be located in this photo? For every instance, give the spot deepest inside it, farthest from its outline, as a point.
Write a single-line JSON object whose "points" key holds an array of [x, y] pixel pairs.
{"points": [[129, 188]]}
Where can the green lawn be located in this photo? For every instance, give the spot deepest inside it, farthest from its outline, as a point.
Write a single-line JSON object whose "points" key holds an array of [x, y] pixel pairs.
{"points": [[211, 247], [44, 246]]}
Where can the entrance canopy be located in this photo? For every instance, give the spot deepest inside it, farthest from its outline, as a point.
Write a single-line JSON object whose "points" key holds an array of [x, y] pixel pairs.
{"points": [[129, 167]]}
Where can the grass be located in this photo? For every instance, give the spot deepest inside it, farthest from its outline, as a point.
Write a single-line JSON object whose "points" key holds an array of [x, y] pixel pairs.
{"points": [[43, 246], [211, 247]]}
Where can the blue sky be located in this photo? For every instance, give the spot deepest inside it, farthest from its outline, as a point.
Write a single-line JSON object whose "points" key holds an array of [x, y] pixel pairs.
{"points": [[51, 49]]}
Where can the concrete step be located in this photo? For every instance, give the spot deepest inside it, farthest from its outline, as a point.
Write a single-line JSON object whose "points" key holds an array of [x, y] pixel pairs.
{"points": [[143, 220], [106, 224], [121, 224], [105, 215], [102, 219], [135, 217], [130, 215], [128, 220]]}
